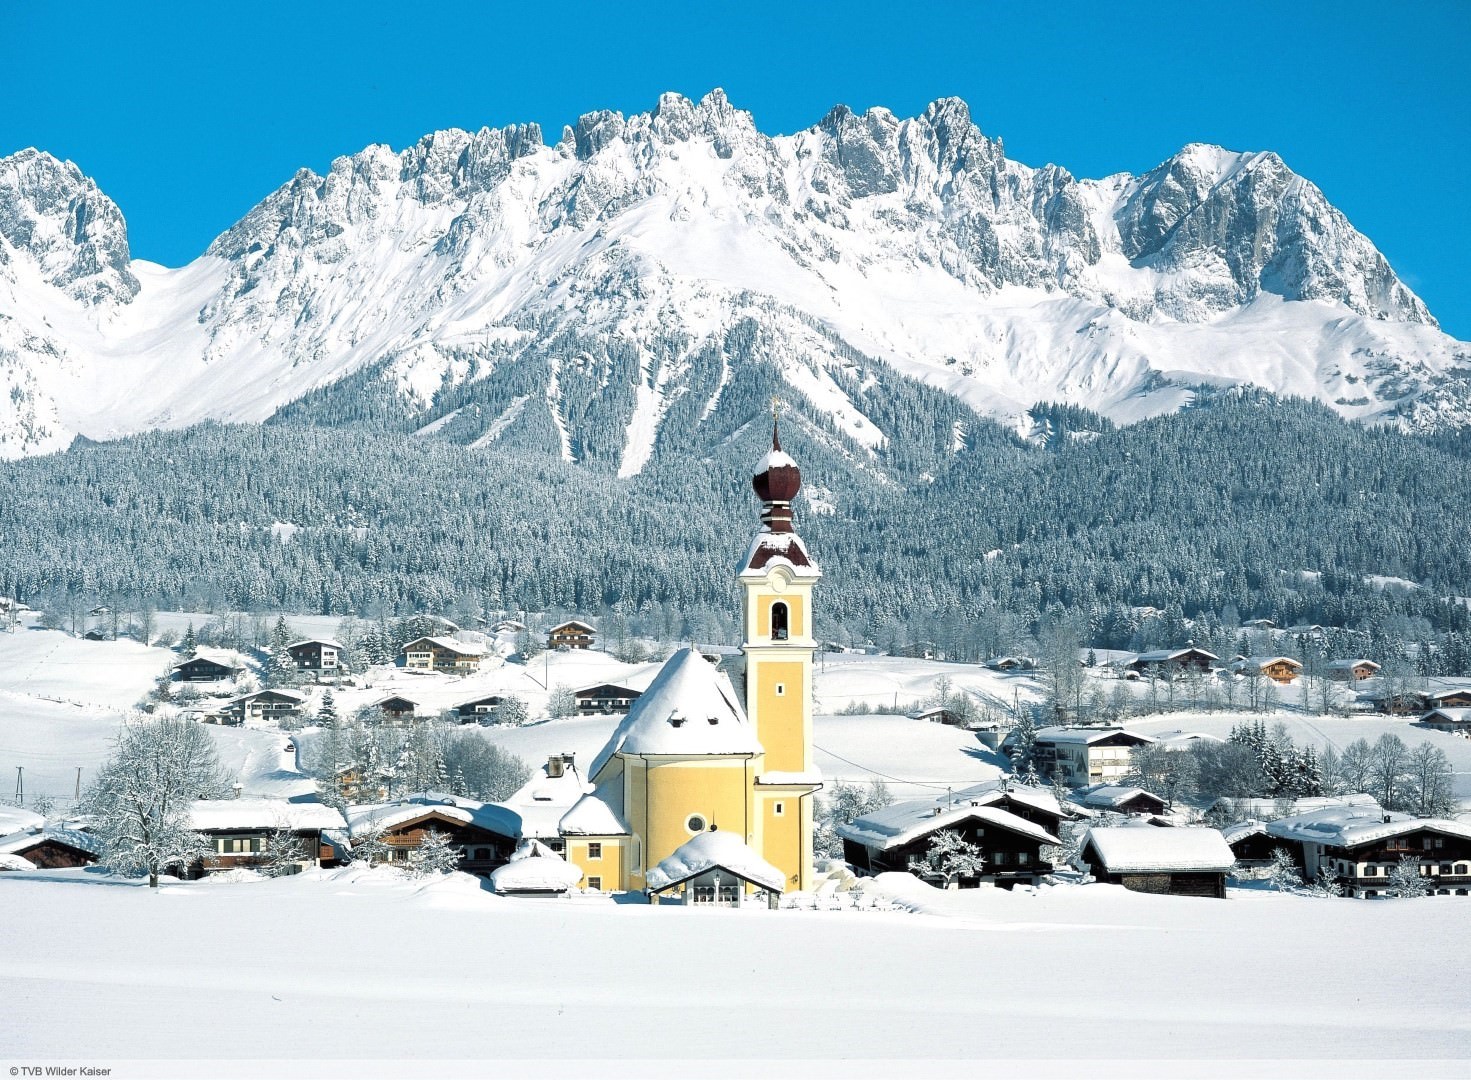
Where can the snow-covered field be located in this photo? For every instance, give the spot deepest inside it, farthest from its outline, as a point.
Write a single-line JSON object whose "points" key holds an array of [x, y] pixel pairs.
{"points": [[348, 964]]}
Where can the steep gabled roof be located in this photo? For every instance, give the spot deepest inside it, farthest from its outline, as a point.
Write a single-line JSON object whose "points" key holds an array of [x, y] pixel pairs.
{"points": [[222, 814], [1351, 826], [1086, 736], [689, 708], [715, 850], [315, 641], [903, 823]]}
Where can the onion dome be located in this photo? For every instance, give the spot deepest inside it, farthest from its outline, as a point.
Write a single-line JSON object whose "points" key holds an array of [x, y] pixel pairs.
{"points": [[777, 482]]}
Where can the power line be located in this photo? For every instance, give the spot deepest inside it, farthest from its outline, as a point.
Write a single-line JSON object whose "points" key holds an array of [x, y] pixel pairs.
{"points": [[896, 779]]}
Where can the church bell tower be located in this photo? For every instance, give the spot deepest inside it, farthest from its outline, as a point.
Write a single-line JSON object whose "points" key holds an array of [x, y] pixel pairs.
{"points": [[776, 578]]}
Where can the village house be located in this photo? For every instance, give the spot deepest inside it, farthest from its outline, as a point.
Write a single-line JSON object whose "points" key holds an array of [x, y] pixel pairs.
{"points": [[239, 831], [395, 707], [1083, 756], [49, 847], [938, 715], [1119, 800], [990, 816], [1280, 669], [268, 705], [480, 710], [445, 655], [1454, 697], [321, 655], [484, 833], [1169, 662], [605, 698], [1250, 842], [1456, 720], [1361, 847], [573, 634], [1184, 740], [208, 666], [1011, 663], [1352, 670], [1142, 858]]}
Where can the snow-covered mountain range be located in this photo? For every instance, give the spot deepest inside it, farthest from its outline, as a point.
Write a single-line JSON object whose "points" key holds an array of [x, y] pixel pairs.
{"points": [[477, 282]]}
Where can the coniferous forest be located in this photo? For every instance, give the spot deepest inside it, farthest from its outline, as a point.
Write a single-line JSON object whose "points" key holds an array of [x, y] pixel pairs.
{"points": [[957, 532]]}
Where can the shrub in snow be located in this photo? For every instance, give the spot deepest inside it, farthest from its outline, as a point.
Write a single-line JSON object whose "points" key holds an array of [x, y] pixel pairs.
{"points": [[140, 800], [949, 858], [1326, 884], [284, 853], [1283, 873], [436, 854], [1406, 879], [513, 711], [562, 703]]}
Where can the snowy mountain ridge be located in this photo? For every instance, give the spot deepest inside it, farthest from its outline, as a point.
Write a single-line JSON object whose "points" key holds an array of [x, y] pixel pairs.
{"points": [[481, 285]]}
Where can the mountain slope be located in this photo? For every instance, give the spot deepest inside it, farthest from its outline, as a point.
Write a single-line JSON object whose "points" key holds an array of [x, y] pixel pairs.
{"points": [[487, 287]]}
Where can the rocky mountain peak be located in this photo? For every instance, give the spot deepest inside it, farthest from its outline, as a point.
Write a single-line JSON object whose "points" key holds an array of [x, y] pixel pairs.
{"points": [[55, 218]]}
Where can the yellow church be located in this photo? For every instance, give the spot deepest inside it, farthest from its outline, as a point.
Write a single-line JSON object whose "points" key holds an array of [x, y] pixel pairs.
{"points": [[694, 782]]}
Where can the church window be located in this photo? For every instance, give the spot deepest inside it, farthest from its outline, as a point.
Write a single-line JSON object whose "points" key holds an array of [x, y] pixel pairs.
{"points": [[780, 809], [595, 883], [779, 622], [781, 689], [695, 823], [594, 851]]}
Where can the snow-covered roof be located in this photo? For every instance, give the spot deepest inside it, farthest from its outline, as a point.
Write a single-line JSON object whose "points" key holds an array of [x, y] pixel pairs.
{"points": [[573, 624], [1086, 736], [1242, 829], [1164, 656], [218, 814], [1352, 826], [1183, 740], [1349, 665], [454, 645], [784, 549], [214, 656], [593, 816], [289, 695], [1108, 796], [1144, 847], [775, 459], [709, 850], [492, 817], [543, 800], [1260, 662], [689, 708], [23, 839], [903, 823], [534, 867], [1455, 714], [15, 862], [315, 641]]}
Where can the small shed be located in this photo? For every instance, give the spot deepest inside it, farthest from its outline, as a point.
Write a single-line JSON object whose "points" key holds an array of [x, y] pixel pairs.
{"points": [[1180, 862], [1119, 799], [535, 870], [396, 707], [1455, 719], [1250, 843]]}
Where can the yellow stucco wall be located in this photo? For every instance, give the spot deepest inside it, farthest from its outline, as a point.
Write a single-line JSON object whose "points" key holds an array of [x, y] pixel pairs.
{"points": [[611, 868], [781, 835], [780, 718], [714, 788]]}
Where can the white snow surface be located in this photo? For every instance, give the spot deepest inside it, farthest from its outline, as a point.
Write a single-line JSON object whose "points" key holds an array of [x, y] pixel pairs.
{"points": [[534, 867], [1142, 847], [592, 816], [1381, 994], [708, 850]]}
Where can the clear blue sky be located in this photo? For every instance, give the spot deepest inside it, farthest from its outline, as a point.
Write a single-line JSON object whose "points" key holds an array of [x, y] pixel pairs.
{"points": [[188, 114]]}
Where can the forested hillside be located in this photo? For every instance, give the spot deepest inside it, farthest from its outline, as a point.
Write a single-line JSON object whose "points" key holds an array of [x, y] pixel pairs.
{"points": [[1243, 507]]}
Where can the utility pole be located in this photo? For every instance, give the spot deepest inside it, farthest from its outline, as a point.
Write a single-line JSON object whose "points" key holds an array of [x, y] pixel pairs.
{"points": [[20, 785], [78, 794]]}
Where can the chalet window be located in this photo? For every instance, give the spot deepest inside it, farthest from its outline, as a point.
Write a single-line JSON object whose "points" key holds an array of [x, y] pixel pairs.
{"points": [[595, 883], [779, 630], [1023, 858], [594, 851]]}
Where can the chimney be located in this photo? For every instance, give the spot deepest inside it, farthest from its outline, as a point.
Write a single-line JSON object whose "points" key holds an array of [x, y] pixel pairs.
{"points": [[554, 766]]}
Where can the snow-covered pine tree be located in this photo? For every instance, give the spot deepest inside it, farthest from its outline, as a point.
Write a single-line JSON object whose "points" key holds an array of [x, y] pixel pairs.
{"points": [[189, 647], [1022, 747], [327, 711], [436, 854]]}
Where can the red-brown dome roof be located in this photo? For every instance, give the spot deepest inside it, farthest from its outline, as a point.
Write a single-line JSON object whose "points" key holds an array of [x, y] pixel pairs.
{"points": [[777, 477]]}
